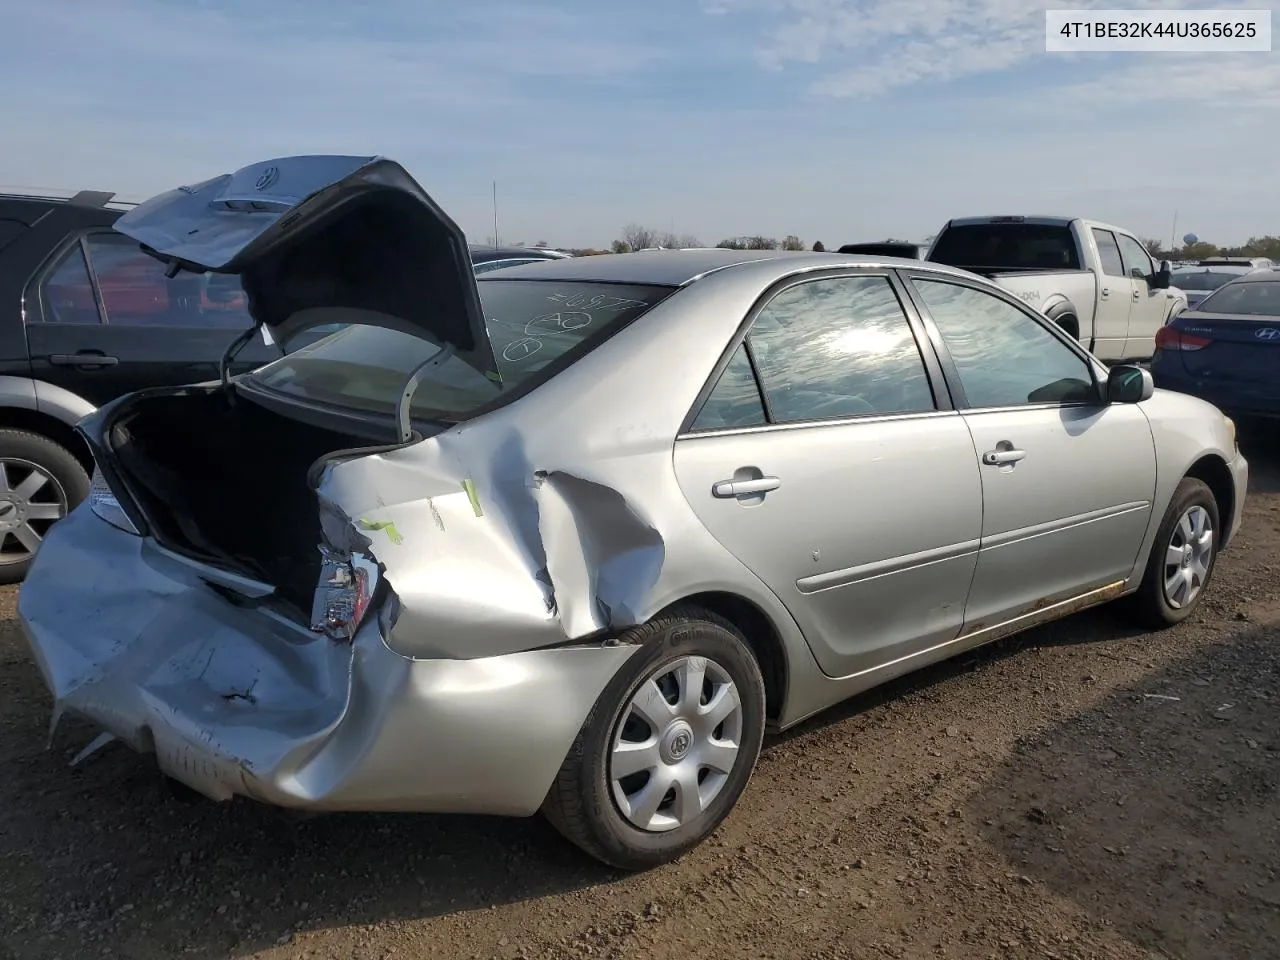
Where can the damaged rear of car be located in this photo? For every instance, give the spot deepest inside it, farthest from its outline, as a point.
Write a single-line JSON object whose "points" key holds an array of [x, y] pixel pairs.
{"points": [[316, 585]]}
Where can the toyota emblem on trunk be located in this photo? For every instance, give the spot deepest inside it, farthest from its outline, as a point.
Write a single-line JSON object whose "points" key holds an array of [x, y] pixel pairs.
{"points": [[1267, 333], [269, 176]]}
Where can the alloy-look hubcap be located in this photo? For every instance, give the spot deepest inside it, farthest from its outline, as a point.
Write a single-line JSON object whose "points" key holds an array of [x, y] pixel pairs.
{"points": [[1187, 557], [676, 743], [31, 499]]}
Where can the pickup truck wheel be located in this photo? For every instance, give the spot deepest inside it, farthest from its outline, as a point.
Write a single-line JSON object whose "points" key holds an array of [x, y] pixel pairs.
{"points": [[1182, 558], [40, 482], [669, 746]]}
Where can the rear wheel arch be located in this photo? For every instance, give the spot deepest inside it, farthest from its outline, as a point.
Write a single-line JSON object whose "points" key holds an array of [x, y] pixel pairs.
{"points": [[45, 425], [1065, 315], [762, 636]]}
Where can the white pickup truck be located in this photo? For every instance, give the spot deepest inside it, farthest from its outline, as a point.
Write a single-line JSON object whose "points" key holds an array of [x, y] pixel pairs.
{"points": [[1096, 281]]}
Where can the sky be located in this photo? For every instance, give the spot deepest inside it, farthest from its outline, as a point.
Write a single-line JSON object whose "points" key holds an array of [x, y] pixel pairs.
{"points": [[835, 120]]}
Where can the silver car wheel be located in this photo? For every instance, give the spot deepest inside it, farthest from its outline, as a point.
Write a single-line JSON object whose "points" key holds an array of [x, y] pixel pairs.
{"points": [[1187, 557], [676, 743], [31, 499]]}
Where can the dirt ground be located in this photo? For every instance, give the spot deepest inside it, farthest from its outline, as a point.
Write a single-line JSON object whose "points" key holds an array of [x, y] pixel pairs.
{"points": [[1080, 791]]}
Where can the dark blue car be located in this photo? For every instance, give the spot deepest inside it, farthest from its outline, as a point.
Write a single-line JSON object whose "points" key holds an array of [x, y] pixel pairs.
{"points": [[1227, 350]]}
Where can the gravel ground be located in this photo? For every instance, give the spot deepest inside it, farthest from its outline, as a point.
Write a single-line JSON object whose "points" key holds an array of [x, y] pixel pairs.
{"points": [[1081, 791]]}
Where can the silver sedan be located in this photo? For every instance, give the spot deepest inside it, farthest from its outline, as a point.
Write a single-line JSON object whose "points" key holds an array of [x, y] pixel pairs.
{"points": [[574, 537]]}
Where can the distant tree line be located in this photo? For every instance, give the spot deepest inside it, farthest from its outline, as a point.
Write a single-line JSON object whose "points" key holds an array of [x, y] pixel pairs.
{"points": [[636, 236], [1268, 246]]}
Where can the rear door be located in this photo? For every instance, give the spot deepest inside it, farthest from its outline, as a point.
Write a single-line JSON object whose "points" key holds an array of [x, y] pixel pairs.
{"points": [[1067, 480], [1115, 297], [826, 463], [103, 320]]}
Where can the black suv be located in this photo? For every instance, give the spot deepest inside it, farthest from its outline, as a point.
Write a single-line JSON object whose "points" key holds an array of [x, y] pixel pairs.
{"points": [[86, 316]]}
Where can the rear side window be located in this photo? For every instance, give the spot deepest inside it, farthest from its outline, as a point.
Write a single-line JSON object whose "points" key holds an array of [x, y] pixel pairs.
{"points": [[136, 293], [1108, 253], [1007, 246], [826, 349], [67, 292]]}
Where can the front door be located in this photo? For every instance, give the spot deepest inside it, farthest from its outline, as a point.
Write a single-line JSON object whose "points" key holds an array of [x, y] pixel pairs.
{"points": [[1150, 306], [1067, 480], [1115, 298], [103, 320], [822, 461]]}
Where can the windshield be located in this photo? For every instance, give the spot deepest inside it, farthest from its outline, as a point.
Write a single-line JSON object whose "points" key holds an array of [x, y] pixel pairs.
{"points": [[1259, 298], [1203, 279], [1007, 246], [537, 327]]}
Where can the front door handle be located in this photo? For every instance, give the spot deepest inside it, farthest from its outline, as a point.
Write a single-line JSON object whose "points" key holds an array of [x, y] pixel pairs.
{"points": [[1106, 292], [1137, 294], [85, 358], [996, 457], [726, 489]]}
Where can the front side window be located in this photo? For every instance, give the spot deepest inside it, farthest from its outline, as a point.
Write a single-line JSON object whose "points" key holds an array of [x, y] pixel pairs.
{"points": [[136, 293], [67, 292], [1256, 298], [838, 347], [1003, 356], [1137, 261], [532, 325]]}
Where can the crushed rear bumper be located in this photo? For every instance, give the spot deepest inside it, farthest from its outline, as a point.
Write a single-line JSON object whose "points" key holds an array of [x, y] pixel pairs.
{"points": [[234, 700]]}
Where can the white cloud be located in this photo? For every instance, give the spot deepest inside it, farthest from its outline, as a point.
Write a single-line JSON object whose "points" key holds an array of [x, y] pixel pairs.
{"points": [[865, 48]]}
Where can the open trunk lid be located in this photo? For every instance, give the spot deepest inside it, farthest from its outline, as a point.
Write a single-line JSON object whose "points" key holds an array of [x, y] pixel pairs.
{"points": [[320, 240]]}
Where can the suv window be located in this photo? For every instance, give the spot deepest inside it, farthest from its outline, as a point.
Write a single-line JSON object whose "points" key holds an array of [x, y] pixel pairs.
{"points": [[1137, 262], [1108, 253], [67, 292], [1004, 356], [135, 292], [833, 348]]}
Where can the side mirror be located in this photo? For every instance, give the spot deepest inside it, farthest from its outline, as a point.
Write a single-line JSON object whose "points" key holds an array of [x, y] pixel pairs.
{"points": [[1163, 278], [1129, 384]]}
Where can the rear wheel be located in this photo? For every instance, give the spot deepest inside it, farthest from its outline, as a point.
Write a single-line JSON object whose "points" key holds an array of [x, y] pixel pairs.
{"points": [[1182, 558], [40, 482], [669, 746]]}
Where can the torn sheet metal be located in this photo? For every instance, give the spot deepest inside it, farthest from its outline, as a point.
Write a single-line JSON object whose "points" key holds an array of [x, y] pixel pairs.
{"points": [[239, 701], [492, 553]]}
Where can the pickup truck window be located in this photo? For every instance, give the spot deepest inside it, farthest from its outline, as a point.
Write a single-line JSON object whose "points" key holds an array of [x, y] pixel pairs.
{"points": [[1003, 356], [1108, 253], [1007, 246], [1137, 261]]}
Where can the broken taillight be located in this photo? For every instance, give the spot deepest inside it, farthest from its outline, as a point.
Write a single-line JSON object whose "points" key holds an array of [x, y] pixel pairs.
{"points": [[347, 584]]}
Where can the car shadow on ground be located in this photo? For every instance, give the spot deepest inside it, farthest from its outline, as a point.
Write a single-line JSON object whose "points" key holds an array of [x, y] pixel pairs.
{"points": [[101, 859], [1158, 810]]}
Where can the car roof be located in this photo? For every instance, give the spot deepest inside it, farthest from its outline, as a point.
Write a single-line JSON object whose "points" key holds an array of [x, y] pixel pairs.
{"points": [[679, 267]]}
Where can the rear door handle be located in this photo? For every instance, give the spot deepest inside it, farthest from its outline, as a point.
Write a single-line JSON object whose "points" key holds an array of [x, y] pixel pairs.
{"points": [[996, 457], [1106, 292], [1137, 294], [726, 489], [85, 358]]}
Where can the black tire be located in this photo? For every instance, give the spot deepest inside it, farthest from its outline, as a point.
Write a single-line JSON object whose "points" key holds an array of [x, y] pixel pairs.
{"points": [[581, 803], [59, 464], [1150, 606], [1069, 324]]}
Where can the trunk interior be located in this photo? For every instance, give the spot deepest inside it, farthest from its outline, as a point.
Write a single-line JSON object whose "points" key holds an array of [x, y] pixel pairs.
{"points": [[226, 481]]}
